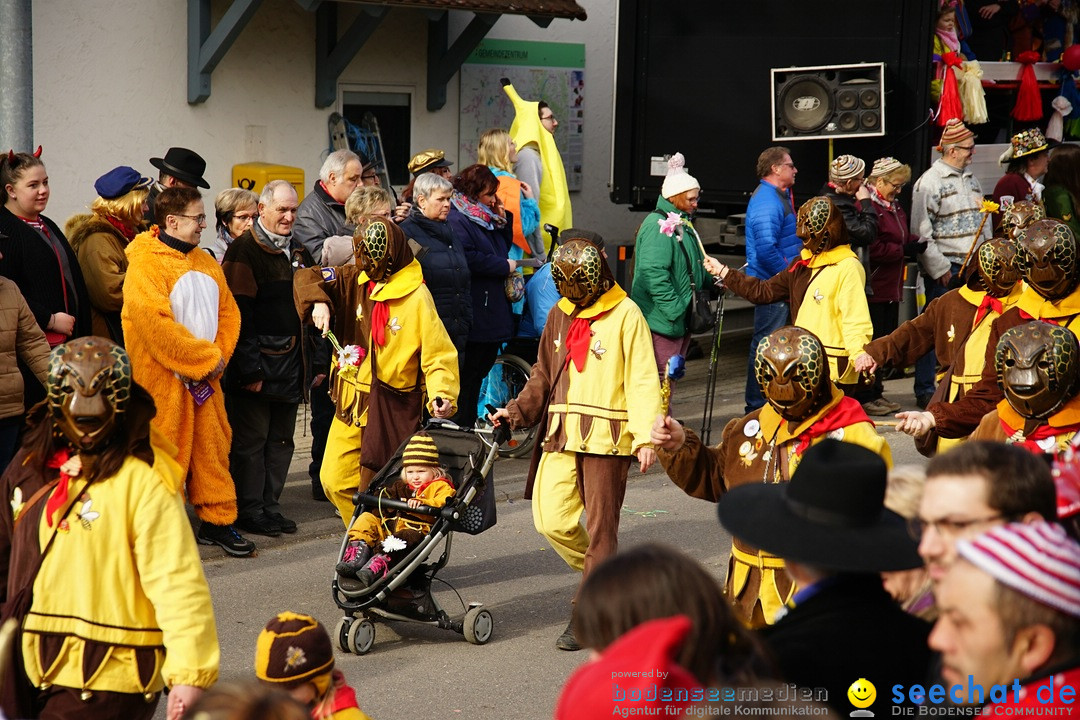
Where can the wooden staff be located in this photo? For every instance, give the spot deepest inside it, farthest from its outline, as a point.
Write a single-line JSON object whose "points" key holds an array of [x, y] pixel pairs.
{"points": [[987, 208]]}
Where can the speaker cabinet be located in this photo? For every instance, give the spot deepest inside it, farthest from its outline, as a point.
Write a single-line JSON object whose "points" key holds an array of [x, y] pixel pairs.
{"points": [[810, 103]]}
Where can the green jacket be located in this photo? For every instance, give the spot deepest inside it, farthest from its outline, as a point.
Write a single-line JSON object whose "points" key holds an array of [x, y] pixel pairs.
{"points": [[662, 275], [1059, 205]]}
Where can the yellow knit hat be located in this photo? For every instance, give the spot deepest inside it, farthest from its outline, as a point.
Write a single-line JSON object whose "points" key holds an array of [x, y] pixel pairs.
{"points": [[421, 450], [293, 649]]}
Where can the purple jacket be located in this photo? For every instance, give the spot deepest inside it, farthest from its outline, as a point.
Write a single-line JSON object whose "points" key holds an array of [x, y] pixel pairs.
{"points": [[887, 253]]}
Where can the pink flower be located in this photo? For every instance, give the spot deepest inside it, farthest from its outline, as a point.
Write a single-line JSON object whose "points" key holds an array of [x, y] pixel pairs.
{"points": [[668, 224]]}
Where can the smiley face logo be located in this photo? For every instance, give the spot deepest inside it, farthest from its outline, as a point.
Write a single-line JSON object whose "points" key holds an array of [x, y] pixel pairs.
{"points": [[862, 693]]}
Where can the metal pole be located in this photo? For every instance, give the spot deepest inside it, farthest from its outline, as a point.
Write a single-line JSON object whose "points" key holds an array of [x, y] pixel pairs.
{"points": [[16, 76]]}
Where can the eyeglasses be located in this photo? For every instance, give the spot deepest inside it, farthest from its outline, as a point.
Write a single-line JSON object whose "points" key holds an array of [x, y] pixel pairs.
{"points": [[947, 527], [787, 164], [365, 176], [897, 186], [245, 217], [548, 117], [966, 148], [200, 219]]}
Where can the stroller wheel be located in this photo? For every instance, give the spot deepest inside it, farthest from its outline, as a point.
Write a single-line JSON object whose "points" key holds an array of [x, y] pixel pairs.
{"points": [[341, 632], [477, 626], [361, 636]]}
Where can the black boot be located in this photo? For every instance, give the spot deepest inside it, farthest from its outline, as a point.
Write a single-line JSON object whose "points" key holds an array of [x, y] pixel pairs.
{"points": [[567, 641], [355, 557]]}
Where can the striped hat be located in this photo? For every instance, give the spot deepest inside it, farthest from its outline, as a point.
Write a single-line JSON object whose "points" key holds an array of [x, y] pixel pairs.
{"points": [[421, 450], [955, 132], [1038, 560], [846, 167], [293, 649], [884, 166]]}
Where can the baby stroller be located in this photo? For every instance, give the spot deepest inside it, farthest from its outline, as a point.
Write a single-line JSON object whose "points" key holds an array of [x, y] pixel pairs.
{"points": [[404, 592]]}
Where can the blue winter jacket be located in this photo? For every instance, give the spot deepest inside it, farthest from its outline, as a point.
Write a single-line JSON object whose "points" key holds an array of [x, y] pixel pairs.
{"points": [[771, 242]]}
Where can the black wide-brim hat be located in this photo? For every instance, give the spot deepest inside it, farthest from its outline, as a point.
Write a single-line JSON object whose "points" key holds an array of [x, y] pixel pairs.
{"points": [[183, 164], [831, 515]]}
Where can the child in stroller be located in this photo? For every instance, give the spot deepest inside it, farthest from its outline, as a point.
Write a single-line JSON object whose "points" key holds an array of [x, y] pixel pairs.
{"points": [[379, 539]]}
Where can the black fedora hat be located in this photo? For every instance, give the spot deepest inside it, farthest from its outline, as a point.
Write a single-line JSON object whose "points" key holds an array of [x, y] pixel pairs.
{"points": [[183, 164], [832, 514]]}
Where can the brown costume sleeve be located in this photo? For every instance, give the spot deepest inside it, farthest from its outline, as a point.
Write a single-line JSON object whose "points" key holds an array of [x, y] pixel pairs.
{"points": [[308, 289], [527, 408], [989, 428], [909, 342], [758, 291], [697, 469], [959, 419]]}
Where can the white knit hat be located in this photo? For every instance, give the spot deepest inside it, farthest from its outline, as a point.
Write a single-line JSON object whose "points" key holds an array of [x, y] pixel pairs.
{"points": [[678, 180], [1038, 560]]}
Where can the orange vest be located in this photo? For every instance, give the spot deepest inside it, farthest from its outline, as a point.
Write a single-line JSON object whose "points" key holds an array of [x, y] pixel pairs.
{"points": [[510, 194]]}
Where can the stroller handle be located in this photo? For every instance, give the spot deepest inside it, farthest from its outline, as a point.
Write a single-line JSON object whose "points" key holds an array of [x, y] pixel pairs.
{"points": [[446, 513], [501, 432]]}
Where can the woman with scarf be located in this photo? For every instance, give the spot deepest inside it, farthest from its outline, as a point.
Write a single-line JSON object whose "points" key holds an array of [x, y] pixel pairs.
{"points": [[446, 271], [394, 352], [99, 240], [485, 230], [36, 257], [236, 210], [498, 151]]}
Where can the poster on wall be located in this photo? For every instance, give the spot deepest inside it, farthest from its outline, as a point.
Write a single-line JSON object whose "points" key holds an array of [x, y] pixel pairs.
{"points": [[552, 72]]}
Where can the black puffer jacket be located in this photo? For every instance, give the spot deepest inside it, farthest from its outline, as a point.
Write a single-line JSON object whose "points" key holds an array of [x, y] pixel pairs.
{"points": [[319, 217], [860, 219], [446, 273]]}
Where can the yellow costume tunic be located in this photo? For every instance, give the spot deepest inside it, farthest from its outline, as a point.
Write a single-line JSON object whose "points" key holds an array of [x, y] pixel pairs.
{"points": [[416, 346], [122, 589], [760, 447], [554, 196]]}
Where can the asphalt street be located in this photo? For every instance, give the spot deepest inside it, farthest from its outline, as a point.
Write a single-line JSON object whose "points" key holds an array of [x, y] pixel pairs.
{"points": [[415, 671]]}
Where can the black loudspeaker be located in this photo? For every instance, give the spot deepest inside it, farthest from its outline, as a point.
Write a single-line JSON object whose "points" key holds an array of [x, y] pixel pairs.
{"points": [[810, 103]]}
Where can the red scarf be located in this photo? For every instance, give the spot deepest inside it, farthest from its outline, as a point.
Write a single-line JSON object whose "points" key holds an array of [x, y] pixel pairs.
{"points": [[122, 228], [988, 303], [847, 412], [1051, 321], [59, 496], [577, 342], [380, 314], [1042, 432], [798, 264]]}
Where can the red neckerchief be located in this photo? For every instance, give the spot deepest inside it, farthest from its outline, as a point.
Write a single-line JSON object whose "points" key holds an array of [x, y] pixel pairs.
{"points": [[577, 340], [798, 264], [847, 412], [1041, 432], [59, 496], [1051, 321], [121, 228], [380, 314], [988, 303]]}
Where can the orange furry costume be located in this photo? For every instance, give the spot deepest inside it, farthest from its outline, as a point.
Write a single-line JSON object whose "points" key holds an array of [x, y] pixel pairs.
{"points": [[180, 319]]}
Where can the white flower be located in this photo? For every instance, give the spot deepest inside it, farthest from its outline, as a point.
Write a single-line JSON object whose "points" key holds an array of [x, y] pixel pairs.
{"points": [[348, 355], [393, 543]]}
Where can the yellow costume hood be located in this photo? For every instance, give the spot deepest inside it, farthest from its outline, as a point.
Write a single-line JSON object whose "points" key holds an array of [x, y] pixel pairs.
{"points": [[554, 198]]}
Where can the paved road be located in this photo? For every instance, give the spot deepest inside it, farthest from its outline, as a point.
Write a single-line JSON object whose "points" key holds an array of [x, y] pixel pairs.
{"points": [[420, 672]]}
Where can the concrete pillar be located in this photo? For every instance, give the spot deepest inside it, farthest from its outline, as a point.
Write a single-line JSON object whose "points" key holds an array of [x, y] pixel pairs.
{"points": [[16, 76]]}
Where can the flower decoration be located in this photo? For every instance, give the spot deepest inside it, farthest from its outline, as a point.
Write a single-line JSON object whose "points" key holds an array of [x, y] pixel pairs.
{"points": [[349, 357], [668, 224], [393, 543], [989, 206]]}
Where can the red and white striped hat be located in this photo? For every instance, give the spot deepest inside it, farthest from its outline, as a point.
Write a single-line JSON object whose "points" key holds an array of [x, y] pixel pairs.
{"points": [[1038, 560]]}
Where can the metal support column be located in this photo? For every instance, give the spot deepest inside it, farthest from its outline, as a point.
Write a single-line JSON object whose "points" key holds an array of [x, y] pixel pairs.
{"points": [[16, 76]]}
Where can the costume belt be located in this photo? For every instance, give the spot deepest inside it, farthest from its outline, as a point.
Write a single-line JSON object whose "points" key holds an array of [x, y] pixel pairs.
{"points": [[762, 561]]}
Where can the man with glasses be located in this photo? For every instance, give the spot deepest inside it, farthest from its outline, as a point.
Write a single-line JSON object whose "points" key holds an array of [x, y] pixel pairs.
{"points": [[321, 215], [539, 164], [181, 325], [946, 212], [771, 244], [266, 374], [974, 487]]}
